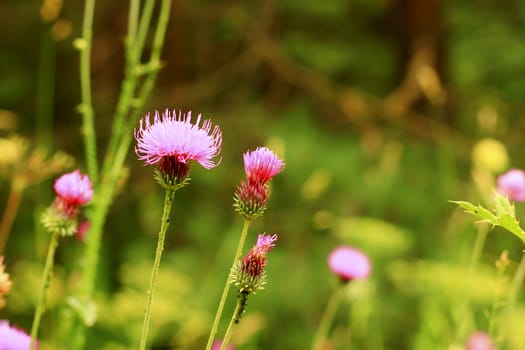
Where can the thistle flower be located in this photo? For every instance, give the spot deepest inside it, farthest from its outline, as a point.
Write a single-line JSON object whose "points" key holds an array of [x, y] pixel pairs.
{"points": [[251, 196], [480, 341], [172, 141], [261, 165], [5, 283], [12, 338], [72, 190], [349, 263], [249, 273], [512, 185]]}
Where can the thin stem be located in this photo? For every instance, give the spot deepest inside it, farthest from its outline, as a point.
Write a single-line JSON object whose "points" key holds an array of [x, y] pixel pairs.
{"points": [[46, 277], [11, 208], [239, 309], [168, 202], [226, 288], [328, 317], [477, 249], [514, 291], [86, 107]]}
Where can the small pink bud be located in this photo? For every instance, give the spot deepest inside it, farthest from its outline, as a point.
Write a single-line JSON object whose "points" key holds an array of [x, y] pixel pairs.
{"points": [[261, 165]]}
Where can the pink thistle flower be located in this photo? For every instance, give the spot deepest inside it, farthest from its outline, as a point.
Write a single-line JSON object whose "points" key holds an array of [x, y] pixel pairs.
{"points": [[480, 341], [12, 338], [74, 189], [512, 185], [249, 273], [261, 165], [349, 263], [172, 141]]}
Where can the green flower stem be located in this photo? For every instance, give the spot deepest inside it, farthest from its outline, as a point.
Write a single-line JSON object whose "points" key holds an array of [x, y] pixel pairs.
{"points": [[117, 151], [226, 288], [86, 107], [477, 249], [328, 317], [168, 202], [46, 277], [239, 309], [513, 294]]}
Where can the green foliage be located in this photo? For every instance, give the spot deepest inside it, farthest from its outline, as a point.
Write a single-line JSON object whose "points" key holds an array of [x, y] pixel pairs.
{"points": [[503, 214]]}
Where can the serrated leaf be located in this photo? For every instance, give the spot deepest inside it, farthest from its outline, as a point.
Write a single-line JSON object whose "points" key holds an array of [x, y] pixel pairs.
{"points": [[477, 210], [503, 205], [510, 223]]}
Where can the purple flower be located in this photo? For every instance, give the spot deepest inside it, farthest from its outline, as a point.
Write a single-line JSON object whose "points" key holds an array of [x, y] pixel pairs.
{"points": [[251, 196], [74, 188], [480, 341], [349, 263], [261, 165], [173, 141], [249, 273], [512, 185], [12, 338]]}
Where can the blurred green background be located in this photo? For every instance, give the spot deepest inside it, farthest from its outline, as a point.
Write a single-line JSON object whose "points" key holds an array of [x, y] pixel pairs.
{"points": [[375, 107]]}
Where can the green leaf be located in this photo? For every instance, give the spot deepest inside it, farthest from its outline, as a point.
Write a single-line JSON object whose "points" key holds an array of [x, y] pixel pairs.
{"points": [[477, 210], [504, 215]]}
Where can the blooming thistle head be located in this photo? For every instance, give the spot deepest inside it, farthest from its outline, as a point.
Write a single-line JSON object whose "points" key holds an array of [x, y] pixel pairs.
{"points": [[251, 196], [480, 341], [512, 185], [5, 283], [12, 338], [249, 272], [72, 190], [172, 141], [349, 263]]}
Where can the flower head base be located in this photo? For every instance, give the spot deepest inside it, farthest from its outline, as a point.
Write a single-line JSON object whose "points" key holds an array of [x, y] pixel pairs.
{"points": [[251, 196], [250, 200], [512, 185], [12, 338], [5, 283], [72, 189], [349, 263], [480, 341], [249, 273], [172, 142], [261, 165]]}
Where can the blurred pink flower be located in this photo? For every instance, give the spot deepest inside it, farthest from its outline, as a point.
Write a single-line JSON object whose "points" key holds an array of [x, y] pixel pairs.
{"points": [[349, 263], [175, 137], [480, 341], [512, 185], [74, 188], [12, 338], [261, 165], [218, 343]]}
